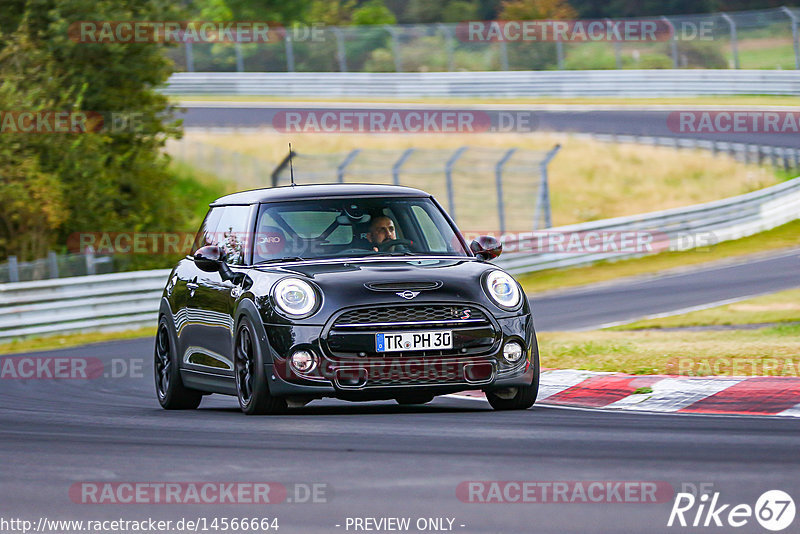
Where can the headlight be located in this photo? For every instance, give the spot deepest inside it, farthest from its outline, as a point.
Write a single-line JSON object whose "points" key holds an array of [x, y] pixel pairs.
{"points": [[295, 297], [502, 289]]}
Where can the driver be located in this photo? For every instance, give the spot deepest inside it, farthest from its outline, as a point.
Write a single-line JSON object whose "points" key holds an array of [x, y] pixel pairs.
{"points": [[381, 229]]}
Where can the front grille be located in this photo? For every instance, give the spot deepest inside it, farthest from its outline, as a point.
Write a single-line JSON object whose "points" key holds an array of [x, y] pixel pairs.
{"points": [[352, 334], [452, 315]]}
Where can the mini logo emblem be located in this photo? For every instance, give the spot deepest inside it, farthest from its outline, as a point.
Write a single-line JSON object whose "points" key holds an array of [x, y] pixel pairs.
{"points": [[408, 295]]}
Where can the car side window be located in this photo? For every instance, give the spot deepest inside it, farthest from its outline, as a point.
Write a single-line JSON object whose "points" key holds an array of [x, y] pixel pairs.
{"points": [[205, 236], [231, 234], [432, 234]]}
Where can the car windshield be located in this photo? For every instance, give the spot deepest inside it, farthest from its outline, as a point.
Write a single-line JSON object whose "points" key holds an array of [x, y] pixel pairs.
{"points": [[353, 227]]}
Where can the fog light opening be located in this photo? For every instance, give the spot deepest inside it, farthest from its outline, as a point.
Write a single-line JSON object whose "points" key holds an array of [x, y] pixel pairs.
{"points": [[303, 361], [513, 352]]}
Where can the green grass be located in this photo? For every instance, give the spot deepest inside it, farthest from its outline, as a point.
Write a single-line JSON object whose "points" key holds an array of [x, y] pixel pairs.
{"points": [[784, 236], [778, 57], [768, 351], [198, 188], [780, 307], [64, 341]]}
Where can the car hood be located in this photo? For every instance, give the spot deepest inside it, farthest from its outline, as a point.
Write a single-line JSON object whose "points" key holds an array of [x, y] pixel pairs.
{"points": [[426, 280]]}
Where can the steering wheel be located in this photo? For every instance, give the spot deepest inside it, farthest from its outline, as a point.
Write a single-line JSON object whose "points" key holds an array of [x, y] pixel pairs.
{"points": [[386, 245]]}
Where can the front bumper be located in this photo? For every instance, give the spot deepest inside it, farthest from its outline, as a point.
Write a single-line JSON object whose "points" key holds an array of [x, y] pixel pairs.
{"points": [[373, 377]]}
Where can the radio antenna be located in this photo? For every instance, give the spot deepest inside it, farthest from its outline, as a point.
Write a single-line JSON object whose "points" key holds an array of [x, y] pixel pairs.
{"points": [[291, 168]]}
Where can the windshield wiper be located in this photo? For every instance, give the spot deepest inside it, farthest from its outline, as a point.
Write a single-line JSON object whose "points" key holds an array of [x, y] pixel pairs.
{"points": [[395, 254], [279, 260]]}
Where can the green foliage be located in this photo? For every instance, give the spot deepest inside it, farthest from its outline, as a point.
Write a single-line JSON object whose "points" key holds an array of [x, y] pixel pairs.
{"points": [[655, 61], [702, 55], [461, 10], [373, 12], [56, 184]]}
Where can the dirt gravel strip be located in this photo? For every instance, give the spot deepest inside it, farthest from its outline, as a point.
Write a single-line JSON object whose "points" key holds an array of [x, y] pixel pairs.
{"points": [[756, 395]]}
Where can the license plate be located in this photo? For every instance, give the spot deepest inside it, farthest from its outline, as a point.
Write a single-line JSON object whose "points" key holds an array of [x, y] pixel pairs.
{"points": [[401, 341]]}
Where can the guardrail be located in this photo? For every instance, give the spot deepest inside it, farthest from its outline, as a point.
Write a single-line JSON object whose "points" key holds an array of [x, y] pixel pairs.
{"points": [[722, 220], [621, 83], [81, 303], [786, 157], [129, 300]]}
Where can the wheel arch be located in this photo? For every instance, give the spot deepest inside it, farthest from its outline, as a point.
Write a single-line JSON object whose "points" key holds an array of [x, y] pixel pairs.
{"points": [[246, 309]]}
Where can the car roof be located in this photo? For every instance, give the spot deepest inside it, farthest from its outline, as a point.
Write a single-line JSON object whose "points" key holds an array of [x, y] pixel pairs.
{"points": [[305, 192]]}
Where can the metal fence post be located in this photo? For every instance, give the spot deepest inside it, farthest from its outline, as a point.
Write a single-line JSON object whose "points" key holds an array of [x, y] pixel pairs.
{"points": [[89, 254], [498, 177], [795, 39], [734, 46], [189, 56], [449, 45], [543, 201], [237, 48], [52, 263], [13, 269], [399, 163], [503, 55], [289, 52], [617, 49], [560, 53], [398, 61], [448, 174], [343, 165], [673, 43], [341, 53]]}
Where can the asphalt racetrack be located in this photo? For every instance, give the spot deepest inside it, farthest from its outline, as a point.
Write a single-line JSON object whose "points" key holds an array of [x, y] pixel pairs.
{"points": [[381, 460], [574, 119]]}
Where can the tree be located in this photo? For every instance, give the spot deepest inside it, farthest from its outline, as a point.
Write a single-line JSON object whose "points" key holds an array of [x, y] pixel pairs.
{"points": [[536, 10], [54, 184]]}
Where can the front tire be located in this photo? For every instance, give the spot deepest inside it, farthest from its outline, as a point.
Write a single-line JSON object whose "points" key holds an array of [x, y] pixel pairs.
{"points": [[251, 380], [516, 398], [171, 393]]}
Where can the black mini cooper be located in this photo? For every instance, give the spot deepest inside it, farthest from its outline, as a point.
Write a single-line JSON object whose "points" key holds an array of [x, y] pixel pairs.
{"points": [[358, 292]]}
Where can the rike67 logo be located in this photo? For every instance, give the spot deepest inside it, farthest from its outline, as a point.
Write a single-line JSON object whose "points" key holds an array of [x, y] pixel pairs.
{"points": [[774, 510]]}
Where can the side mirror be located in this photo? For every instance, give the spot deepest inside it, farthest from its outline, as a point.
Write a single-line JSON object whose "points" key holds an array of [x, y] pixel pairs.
{"points": [[486, 247], [209, 258]]}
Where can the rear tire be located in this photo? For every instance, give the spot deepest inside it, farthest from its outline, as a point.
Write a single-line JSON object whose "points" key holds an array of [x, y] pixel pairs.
{"points": [[171, 393], [251, 379], [518, 398]]}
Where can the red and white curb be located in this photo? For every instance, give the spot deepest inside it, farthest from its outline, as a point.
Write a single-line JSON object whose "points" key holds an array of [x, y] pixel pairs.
{"points": [[759, 395]]}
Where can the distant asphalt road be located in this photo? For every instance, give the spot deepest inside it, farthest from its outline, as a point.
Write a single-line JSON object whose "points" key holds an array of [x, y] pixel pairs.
{"points": [[623, 121], [627, 300], [383, 460]]}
